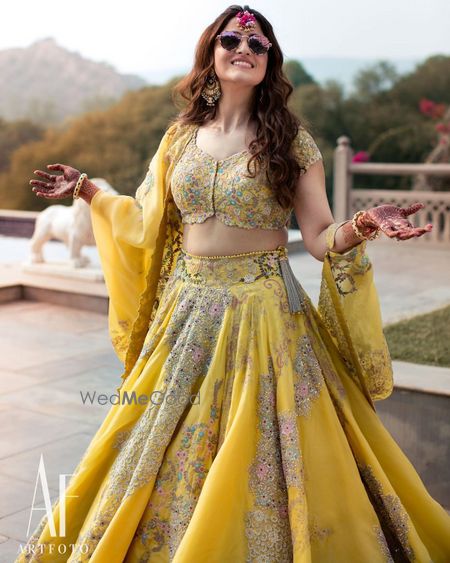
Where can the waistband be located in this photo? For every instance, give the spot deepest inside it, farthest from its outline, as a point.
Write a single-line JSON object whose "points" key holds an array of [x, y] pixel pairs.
{"points": [[245, 267], [279, 250]]}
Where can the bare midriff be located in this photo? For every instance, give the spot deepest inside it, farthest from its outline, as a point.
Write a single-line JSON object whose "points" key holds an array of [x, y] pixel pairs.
{"points": [[214, 238]]}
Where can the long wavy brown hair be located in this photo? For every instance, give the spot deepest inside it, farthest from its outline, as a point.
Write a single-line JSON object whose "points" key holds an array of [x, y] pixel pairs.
{"points": [[277, 126]]}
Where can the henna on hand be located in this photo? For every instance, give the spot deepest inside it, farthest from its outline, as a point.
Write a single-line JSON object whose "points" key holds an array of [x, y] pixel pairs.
{"points": [[392, 221], [57, 187]]}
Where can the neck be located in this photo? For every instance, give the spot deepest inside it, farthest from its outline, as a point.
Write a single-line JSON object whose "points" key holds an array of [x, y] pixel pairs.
{"points": [[234, 108]]}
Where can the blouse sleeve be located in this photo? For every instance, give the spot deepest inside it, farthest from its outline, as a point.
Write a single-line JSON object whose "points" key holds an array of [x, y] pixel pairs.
{"points": [[305, 149]]}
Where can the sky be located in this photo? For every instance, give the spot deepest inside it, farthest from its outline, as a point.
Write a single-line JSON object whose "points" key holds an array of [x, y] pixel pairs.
{"points": [[138, 36]]}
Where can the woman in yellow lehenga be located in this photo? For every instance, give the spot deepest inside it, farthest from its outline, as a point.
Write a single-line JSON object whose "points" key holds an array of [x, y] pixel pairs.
{"points": [[256, 438]]}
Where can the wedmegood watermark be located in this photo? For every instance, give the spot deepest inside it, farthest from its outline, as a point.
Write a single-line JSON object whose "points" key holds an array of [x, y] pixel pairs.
{"points": [[155, 398]]}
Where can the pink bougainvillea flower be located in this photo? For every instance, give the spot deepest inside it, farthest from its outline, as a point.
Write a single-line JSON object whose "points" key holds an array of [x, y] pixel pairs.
{"points": [[432, 109], [361, 156], [426, 106], [442, 128]]}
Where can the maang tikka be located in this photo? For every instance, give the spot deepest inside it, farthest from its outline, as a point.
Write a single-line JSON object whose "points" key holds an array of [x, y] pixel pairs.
{"points": [[211, 91], [246, 20]]}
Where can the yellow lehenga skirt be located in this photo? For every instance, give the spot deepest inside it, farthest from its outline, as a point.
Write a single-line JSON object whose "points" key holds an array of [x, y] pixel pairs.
{"points": [[240, 437]]}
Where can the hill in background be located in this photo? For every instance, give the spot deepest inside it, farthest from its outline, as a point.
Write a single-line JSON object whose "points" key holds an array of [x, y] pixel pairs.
{"points": [[46, 83]]}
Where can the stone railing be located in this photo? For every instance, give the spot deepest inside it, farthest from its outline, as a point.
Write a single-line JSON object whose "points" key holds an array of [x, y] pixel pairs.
{"points": [[15, 223], [348, 200]]}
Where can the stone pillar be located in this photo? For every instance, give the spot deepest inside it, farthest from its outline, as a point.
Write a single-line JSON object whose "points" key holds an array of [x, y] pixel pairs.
{"points": [[342, 179]]}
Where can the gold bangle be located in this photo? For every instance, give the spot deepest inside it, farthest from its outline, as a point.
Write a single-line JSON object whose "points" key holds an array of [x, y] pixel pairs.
{"points": [[358, 233], [76, 191]]}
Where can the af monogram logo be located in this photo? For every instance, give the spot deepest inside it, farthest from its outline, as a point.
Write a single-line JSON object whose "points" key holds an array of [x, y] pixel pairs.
{"points": [[42, 481]]}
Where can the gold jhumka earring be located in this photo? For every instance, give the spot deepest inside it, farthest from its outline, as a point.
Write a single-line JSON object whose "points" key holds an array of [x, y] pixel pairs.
{"points": [[211, 91]]}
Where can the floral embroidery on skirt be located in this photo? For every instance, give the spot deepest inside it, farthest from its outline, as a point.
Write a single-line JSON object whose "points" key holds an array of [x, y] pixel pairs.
{"points": [[255, 446]]}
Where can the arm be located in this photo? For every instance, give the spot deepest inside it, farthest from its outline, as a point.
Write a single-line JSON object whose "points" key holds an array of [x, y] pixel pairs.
{"points": [[88, 190], [314, 215]]}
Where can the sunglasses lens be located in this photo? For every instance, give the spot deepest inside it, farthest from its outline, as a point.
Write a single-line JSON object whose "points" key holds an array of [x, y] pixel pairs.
{"points": [[256, 46], [229, 41]]}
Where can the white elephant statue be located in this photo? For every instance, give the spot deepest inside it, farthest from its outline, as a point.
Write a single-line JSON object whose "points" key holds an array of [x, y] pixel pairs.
{"points": [[68, 223]]}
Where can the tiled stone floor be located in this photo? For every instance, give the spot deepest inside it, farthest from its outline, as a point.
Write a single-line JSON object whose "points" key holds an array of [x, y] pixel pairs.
{"points": [[48, 355]]}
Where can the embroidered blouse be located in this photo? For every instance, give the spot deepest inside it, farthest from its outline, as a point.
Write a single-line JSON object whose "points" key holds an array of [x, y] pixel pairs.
{"points": [[203, 186]]}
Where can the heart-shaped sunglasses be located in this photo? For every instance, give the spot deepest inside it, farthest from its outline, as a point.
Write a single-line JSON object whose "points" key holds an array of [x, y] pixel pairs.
{"points": [[258, 44]]}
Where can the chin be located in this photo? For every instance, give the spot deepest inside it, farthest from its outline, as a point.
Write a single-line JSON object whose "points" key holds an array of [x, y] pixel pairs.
{"points": [[239, 78]]}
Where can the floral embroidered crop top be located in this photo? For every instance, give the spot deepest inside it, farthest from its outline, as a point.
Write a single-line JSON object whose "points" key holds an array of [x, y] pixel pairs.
{"points": [[203, 186]]}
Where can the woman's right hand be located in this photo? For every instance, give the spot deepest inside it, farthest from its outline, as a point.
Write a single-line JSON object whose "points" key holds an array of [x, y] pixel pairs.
{"points": [[57, 187]]}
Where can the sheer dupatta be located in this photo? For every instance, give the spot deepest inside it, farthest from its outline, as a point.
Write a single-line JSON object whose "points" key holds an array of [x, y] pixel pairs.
{"points": [[350, 310], [136, 239]]}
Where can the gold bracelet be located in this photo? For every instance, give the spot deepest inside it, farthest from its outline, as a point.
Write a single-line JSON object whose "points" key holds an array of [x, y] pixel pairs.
{"points": [[358, 233], [76, 191]]}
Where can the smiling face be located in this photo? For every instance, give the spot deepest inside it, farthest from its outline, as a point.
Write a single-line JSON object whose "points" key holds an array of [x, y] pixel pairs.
{"points": [[252, 68]]}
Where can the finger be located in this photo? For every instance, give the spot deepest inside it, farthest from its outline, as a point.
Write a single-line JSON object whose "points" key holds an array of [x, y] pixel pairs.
{"points": [[405, 235], [412, 208], [50, 177], [41, 184], [415, 232], [46, 195], [425, 229], [56, 167], [41, 190], [422, 230]]}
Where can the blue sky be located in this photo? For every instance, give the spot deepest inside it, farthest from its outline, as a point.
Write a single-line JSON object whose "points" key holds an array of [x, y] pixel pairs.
{"points": [[137, 36]]}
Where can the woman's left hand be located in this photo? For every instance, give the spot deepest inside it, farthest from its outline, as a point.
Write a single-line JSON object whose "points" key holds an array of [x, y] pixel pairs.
{"points": [[392, 221]]}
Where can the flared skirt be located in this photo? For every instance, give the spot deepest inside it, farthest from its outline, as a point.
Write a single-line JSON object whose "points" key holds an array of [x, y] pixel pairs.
{"points": [[239, 436]]}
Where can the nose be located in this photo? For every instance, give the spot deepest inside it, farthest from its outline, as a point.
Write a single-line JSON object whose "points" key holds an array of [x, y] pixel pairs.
{"points": [[243, 47]]}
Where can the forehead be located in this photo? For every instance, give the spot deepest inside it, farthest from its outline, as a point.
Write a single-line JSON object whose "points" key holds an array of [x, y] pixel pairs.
{"points": [[232, 25]]}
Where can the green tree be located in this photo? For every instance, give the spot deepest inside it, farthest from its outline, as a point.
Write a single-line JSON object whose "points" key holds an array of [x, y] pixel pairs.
{"points": [[381, 116], [430, 79], [297, 74], [375, 79], [13, 134], [116, 144]]}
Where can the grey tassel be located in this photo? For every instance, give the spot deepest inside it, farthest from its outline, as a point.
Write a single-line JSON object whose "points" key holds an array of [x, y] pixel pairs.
{"points": [[291, 284]]}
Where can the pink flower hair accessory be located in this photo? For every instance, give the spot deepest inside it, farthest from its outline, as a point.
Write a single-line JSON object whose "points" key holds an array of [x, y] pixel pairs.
{"points": [[246, 20]]}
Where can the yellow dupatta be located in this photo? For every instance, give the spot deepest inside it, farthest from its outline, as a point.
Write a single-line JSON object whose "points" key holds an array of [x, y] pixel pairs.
{"points": [[350, 309], [139, 238]]}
